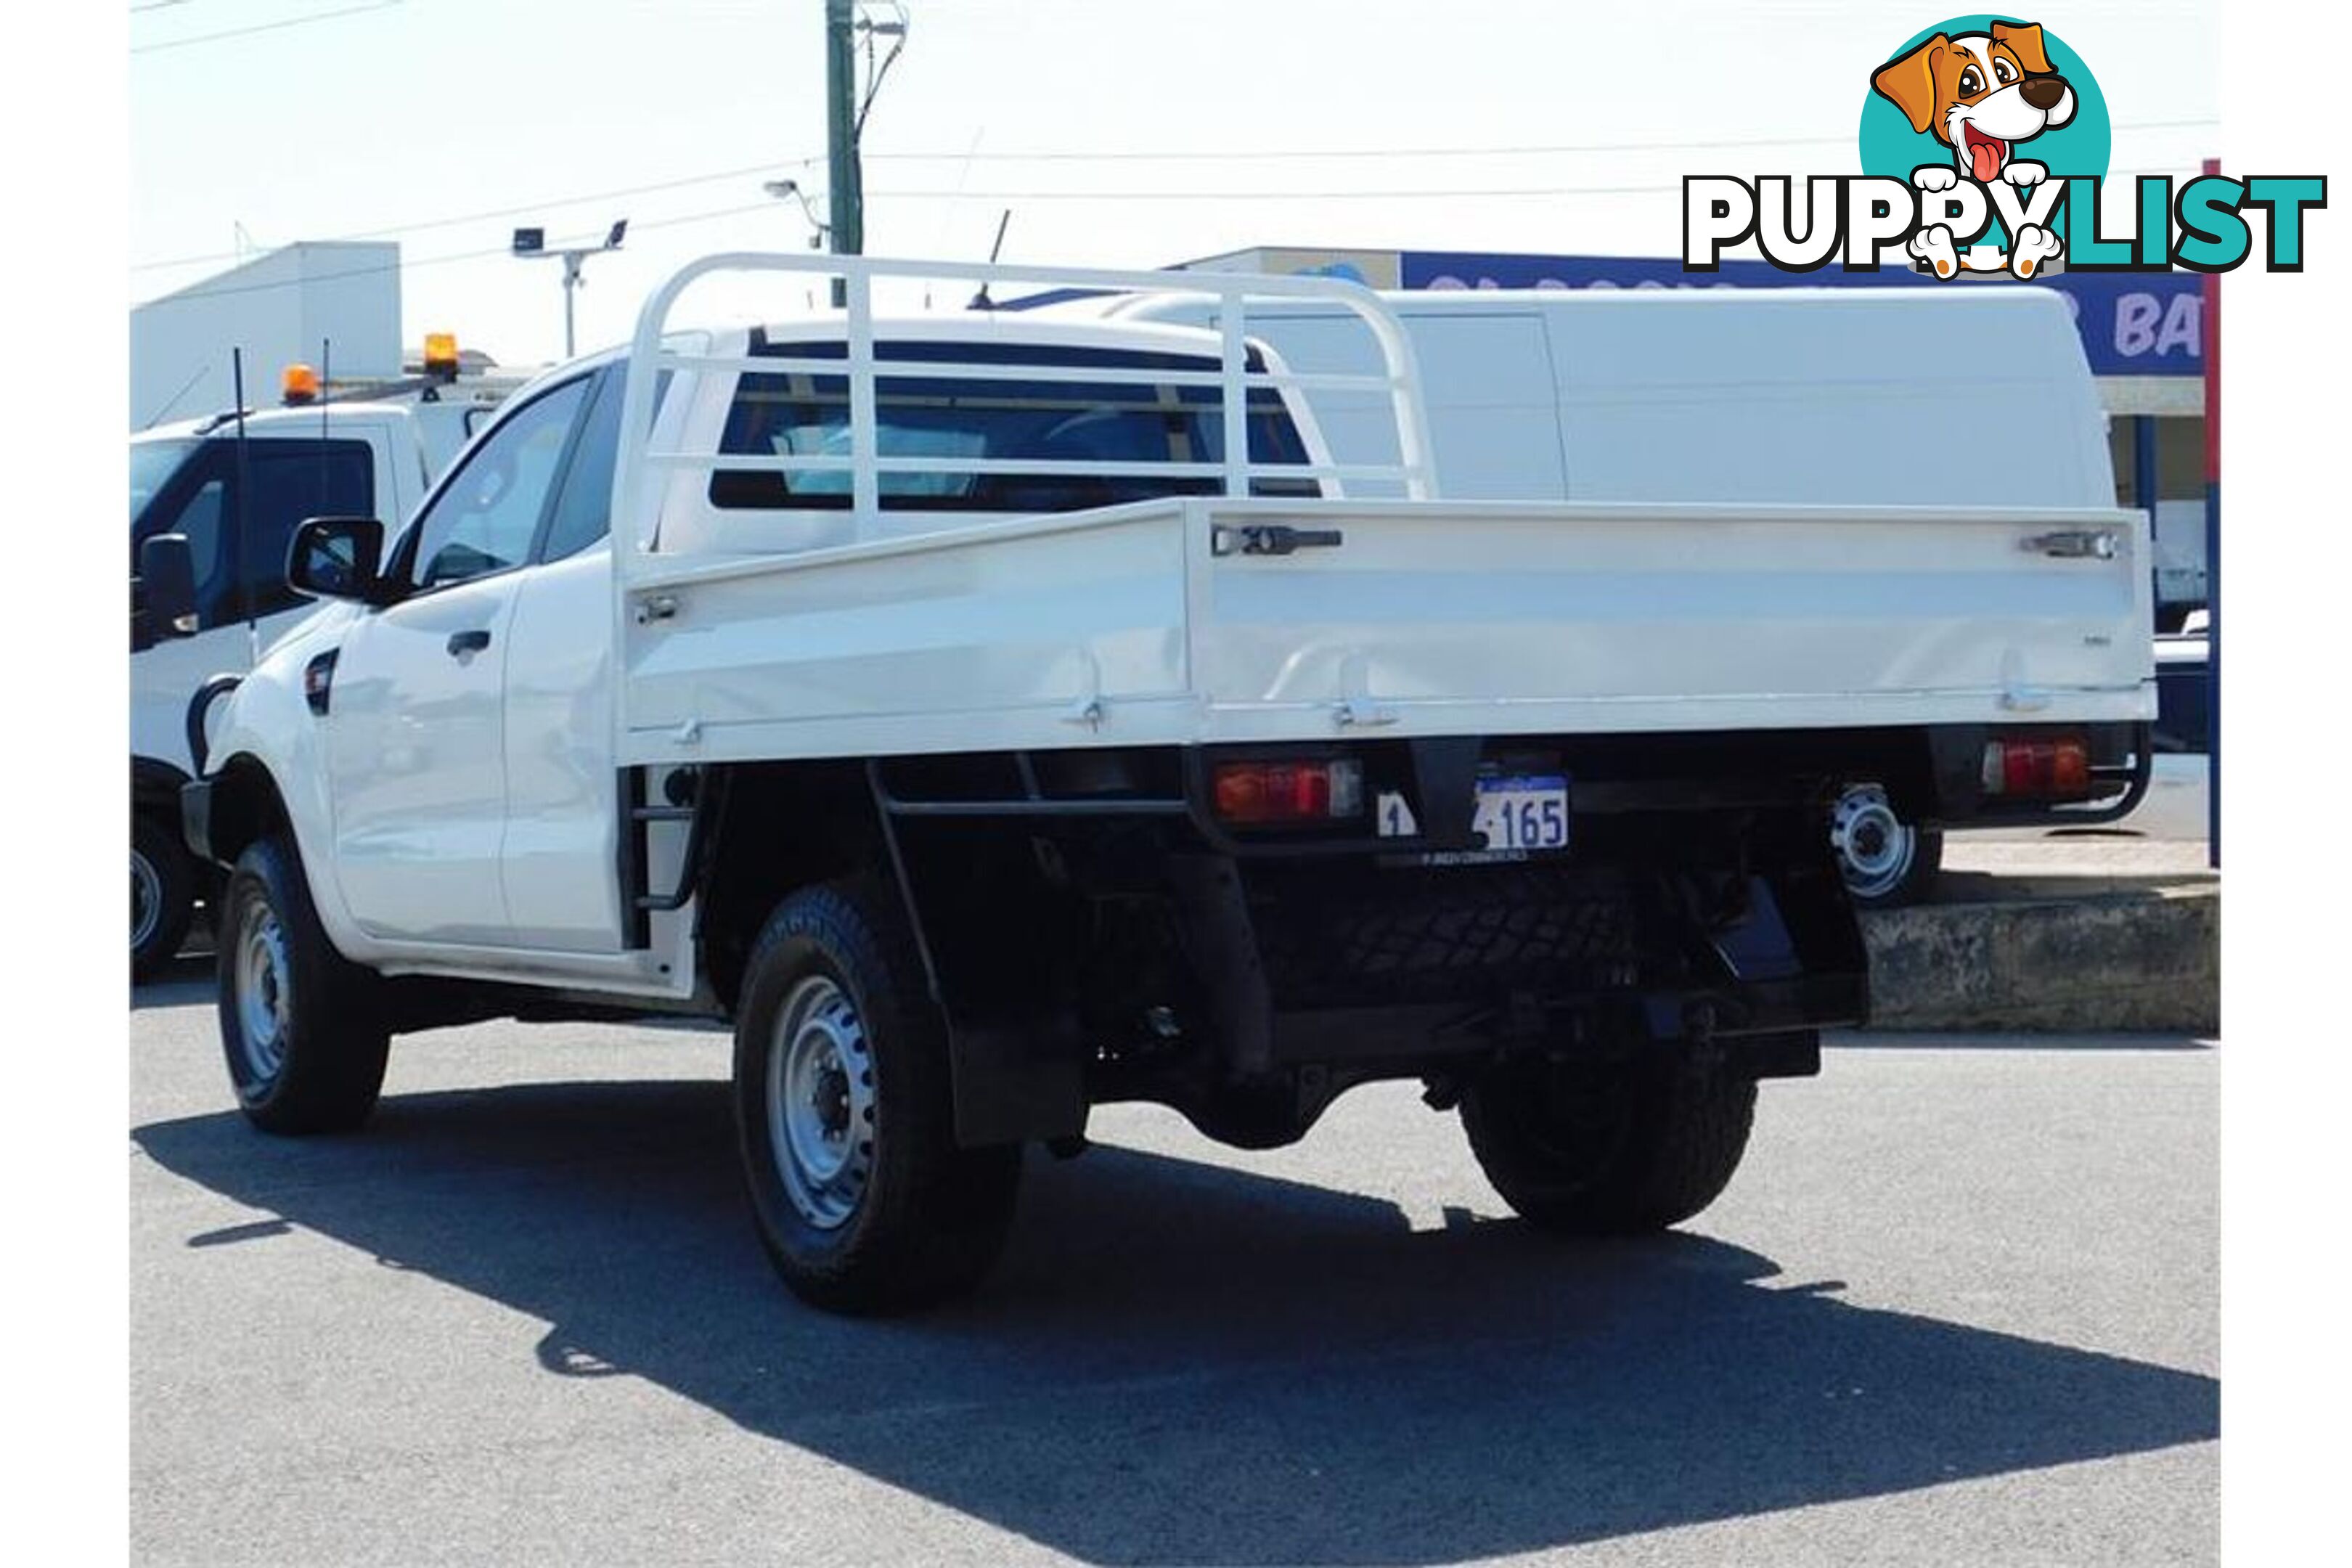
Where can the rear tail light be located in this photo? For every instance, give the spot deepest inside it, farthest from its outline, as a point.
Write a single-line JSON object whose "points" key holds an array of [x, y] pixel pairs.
{"points": [[1258, 793], [2045, 768]]}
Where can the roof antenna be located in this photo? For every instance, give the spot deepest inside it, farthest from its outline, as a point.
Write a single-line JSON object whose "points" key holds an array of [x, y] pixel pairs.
{"points": [[981, 302], [244, 497], [326, 446]]}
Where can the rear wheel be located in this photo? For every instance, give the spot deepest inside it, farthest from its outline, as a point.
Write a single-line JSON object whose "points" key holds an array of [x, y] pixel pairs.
{"points": [[1599, 1149], [1886, 861], [163, 895], [845, 1115], [302, 1026]]}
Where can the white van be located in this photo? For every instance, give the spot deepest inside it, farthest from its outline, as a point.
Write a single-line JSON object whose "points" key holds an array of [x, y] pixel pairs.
{"points": [[1975, 396], [1962, 396], [355, 459]]}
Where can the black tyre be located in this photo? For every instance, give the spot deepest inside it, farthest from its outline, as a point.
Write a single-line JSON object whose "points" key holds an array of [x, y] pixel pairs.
{"points": [[1886, 861], [303, 1027], [1608, 1149], [163, 895], [844, 1116]]}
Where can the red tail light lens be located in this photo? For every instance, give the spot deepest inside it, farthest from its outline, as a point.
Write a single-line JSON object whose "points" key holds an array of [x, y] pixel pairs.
{"points": [[2055, 768], [1258, 793]]}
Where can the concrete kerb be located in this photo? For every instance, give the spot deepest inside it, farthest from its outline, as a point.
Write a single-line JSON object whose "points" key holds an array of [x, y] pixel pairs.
{"points": [[2145, 957]]}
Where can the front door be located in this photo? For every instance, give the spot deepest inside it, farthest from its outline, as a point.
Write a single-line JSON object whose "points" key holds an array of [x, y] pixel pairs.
{"points": [[416, 702]]}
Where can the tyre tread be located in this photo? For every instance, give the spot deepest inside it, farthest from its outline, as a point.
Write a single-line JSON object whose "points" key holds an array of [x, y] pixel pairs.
{"points": [[939, 1215], [338, 1041], [1689, 1131]]}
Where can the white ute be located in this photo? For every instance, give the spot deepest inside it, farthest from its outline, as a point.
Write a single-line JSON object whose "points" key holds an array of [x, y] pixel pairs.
{"points": [[993, 717]]}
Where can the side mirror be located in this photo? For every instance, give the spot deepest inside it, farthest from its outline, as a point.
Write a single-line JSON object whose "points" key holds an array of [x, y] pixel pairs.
{"points": [[164, 601], [335, 557]]}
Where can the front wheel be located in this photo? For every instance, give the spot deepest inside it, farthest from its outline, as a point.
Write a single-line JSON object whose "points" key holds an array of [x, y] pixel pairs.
{"points": [[845, 1115], [1603, 1149], [302, 1026]]}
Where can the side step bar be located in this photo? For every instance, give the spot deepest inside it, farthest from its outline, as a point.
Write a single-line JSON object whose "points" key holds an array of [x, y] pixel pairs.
{"points": [[637, 817]]}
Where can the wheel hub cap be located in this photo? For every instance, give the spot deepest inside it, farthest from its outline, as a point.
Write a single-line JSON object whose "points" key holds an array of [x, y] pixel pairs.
{"points": [[264, 991], [146, 899], [821, 1102], [1874, 847]]}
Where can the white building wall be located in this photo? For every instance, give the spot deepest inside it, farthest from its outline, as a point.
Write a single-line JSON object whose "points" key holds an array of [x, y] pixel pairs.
{"points": [[277, 308]]}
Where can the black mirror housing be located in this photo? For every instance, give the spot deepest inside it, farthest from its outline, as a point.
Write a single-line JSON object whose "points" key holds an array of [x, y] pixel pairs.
{"points": [[165, 603], [336, 558]]}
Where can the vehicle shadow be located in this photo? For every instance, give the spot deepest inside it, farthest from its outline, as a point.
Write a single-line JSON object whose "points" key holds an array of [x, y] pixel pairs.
{"points": [[1180, 1361]]}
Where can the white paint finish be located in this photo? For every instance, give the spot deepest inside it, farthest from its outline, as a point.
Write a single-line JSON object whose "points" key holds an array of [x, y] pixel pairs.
{"points": [[983, 619], [557, 859], [267, 722], [415, 749], [1487, 381], [1493, 617], [1590, 605], [165, 676]]}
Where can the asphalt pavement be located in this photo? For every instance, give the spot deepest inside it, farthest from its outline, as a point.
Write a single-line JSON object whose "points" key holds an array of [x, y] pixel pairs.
{"points": [[1960, 1306]]}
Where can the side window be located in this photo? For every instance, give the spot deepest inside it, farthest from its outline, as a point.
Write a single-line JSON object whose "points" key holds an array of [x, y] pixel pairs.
{"points": [[917, 416], [294, 480], [195, 501], [584, 508], [486, 518], [202, 520]]}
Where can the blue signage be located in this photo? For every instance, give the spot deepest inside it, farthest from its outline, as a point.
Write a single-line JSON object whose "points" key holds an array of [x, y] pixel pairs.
{"points": [[2132, 324]]}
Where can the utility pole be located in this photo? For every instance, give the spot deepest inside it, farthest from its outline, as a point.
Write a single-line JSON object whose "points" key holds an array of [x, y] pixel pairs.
{"points": [[848, 197]]}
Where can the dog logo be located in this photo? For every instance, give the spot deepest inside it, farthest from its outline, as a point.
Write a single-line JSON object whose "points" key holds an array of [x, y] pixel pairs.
{"points": [[1980, 94], [1984, 96]]}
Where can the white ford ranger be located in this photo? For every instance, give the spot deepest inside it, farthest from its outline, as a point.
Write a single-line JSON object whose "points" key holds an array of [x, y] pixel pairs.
{"points": [[993, 717]]}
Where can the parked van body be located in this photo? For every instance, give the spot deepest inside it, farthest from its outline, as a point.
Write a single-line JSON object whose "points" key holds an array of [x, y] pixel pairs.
{"points": [[370, 458], [1965, 397]]}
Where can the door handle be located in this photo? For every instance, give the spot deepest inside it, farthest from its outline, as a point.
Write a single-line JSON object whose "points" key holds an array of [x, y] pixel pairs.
{"points": [[463, 642]]}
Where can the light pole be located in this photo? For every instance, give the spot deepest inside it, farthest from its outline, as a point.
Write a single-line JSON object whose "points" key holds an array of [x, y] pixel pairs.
{"points": [[782, 190], [530, 243]]}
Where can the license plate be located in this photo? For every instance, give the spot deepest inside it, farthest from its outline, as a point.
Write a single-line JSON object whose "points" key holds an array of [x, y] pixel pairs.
{"points": [[1528, 811]]}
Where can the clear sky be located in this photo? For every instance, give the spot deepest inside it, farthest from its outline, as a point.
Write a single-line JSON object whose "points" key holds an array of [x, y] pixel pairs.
{"points": [[1121, 132]]}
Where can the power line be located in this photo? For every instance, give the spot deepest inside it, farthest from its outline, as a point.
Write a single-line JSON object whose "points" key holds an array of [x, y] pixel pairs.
{"points": [[1448, 193], [259, 27], [1259, 154], [201, 292], [582, 200], [972, 154]]}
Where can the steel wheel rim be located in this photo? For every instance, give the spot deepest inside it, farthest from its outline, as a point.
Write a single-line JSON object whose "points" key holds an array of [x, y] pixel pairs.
{"points": [[1875, 846], [820, 1102], [264, 991], [146, 901]]}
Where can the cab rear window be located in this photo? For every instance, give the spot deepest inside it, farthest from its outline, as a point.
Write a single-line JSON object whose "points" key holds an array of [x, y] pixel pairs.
{"points": [[921, 415]]}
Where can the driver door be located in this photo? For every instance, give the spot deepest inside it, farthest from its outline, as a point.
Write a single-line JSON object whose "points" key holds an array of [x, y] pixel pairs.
{"points": [[416, 723]]}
